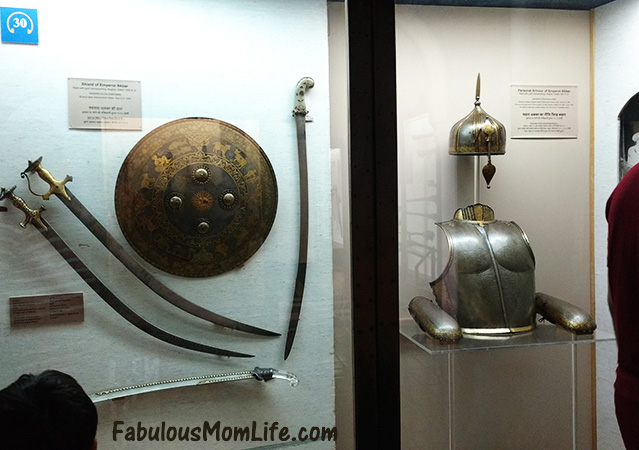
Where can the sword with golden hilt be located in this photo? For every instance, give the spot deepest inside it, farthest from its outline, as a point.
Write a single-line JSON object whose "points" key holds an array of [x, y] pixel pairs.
{"points": [[34, 217], [60, 190]]}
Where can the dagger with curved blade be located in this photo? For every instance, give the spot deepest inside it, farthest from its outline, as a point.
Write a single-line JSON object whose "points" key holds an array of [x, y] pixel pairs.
{"points": [[34, 217], [300, 112], [78, 209]]}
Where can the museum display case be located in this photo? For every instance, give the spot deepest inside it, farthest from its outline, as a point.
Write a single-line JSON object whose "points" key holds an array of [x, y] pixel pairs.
{"points": [[215, 215], [504, 387], [170, 166]]}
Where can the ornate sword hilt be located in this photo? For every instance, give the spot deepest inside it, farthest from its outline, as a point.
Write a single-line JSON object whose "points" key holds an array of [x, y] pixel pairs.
{"points": [[300, 92], [31, 215], [55, 186]]}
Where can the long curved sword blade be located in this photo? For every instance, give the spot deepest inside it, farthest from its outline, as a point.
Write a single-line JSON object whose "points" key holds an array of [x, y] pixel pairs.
{"points": [[82, 213], [34, 217], [299, 111]]}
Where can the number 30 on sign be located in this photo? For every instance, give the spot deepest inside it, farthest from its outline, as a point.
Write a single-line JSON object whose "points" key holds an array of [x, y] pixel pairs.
{"points": [[19, 25]]}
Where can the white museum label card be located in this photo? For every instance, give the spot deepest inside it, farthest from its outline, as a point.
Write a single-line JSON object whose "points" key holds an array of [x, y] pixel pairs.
{"points": [[104, 104], [546, 112], [37, 310]]}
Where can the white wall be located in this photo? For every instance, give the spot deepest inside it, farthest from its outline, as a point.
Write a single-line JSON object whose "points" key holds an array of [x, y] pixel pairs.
{"points": [[615, 66], [234, 61]]}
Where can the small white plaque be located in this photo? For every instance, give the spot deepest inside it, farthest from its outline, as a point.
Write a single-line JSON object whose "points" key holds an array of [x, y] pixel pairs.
{"points": [[104, 104], [546, 112]]}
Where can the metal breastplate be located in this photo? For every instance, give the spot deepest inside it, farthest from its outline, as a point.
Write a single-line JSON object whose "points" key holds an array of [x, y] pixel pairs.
{"points": [[488, 284]]}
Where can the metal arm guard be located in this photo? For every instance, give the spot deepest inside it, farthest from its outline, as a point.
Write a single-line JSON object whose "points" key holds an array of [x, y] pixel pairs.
{"points": [[433, 320], [564, 314]]}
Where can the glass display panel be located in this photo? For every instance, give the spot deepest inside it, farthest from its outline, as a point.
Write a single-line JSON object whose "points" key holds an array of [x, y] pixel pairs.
{"points": [[83, 92], [535, 79], [614, 92], [209, 247]]}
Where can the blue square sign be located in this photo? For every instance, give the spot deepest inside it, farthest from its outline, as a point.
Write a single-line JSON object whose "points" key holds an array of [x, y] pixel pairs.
{"points": [[19, 25]]}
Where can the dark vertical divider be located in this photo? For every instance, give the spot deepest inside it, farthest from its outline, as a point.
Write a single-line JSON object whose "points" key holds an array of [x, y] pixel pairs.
{"points": [[373, 158]]}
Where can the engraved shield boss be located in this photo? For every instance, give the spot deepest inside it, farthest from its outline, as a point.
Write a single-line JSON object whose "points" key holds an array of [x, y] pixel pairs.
{"points": [[196, 197]]}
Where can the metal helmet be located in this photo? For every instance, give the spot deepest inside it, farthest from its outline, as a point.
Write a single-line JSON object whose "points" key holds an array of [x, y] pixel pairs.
{"points": [[478, 134]]}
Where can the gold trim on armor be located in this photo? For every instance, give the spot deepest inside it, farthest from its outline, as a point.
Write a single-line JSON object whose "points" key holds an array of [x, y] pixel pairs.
{"points": [[498, 330]]}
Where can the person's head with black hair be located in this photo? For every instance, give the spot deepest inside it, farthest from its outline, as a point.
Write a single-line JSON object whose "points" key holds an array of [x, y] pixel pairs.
{"points": [[48, 411]]}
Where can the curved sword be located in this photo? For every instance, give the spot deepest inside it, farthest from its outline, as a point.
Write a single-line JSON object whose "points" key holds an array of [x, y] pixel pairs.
{"points": [[259, 374], [300, 112], [77, 208], [33, 216]]}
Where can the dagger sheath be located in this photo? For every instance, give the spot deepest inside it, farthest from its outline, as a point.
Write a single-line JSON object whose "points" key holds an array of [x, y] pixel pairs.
{"points": [[299, 111], [82, 213]]}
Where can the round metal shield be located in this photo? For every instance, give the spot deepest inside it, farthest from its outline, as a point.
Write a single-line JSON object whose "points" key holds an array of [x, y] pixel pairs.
{"points": [[196, 197]]}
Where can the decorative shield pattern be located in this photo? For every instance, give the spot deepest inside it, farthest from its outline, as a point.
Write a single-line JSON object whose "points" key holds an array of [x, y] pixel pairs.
{"points": [[196, 197]]}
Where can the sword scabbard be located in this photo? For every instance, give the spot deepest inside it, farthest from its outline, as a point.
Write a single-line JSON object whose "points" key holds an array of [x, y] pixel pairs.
{"points": [[259, 374]]}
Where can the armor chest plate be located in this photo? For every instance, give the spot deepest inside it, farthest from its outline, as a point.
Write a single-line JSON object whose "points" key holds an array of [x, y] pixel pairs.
{"points": [[488, 284]]}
